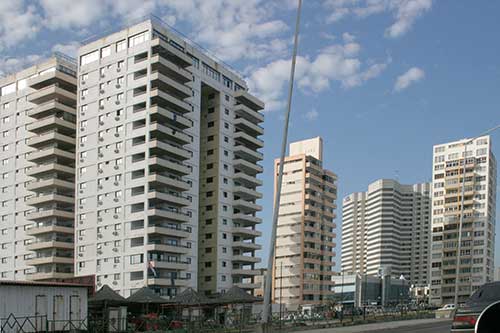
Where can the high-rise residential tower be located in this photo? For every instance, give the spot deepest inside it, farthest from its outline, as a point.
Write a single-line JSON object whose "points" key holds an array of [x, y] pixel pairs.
{"points": [[387, 227], [37, 122], [167, 166], [305, 243], [478, 225]]}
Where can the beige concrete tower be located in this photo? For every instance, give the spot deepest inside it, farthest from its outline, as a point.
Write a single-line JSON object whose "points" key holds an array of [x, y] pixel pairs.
{"points": [[37, 107], [305, 241], [478, 226]]}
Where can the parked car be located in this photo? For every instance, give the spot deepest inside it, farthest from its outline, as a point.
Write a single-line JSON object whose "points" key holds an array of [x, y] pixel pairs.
{"points": [[467, 315], [448, 307]]}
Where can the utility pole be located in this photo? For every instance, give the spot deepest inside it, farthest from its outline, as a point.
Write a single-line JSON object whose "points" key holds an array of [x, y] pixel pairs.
{"points": [[277, 197]]}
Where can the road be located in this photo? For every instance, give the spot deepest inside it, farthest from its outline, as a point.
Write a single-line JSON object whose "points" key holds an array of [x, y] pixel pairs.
{"points": [[406, 326]]}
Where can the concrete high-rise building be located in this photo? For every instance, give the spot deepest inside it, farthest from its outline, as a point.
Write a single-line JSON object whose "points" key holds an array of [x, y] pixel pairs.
{"points": [[37, 122], [387, 227], [478, 226], [167, 165], [305, 243]]}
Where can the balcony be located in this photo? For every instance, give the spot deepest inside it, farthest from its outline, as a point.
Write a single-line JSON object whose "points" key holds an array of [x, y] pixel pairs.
{"points": [[160, 163], [162, 131], [44, 110], [52, 123], [53, 92], [168, 282], [50, 229], [168, 248], [248, 154], [171, 197], [51, 138], [166, 66], [246, 206], [245, 272], [245, 219], [247, 166], [49, 153], [247, 193], [50, 245], [49, 276], [169, 214], [50, 78], [246, 233], [169, 231], [249, 127], [247, 246], [46, 184], [245, 259], [50, 260], [40, 170], [247, 285], [249, 100], [170, 53], [172, 265], [247, 180], [169, 85], [160, 180], [43, 214], [247, 113], [42, 198], [248, 140], [170, 117], [168, 101], [161, 147]]}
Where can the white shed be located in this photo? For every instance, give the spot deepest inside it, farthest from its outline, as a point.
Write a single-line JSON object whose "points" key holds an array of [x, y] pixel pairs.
{"points": [[42, 304]]}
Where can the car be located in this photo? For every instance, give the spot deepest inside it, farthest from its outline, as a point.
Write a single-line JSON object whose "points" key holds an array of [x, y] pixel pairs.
{"points": [[466, 316], [448, 307]]}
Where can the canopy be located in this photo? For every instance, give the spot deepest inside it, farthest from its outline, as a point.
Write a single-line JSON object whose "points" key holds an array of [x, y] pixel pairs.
{"points": [[107, 296], [146, 296]]}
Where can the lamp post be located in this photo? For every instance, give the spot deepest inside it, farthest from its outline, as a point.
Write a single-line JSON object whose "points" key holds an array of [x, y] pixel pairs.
{"points": [[461, 219]]}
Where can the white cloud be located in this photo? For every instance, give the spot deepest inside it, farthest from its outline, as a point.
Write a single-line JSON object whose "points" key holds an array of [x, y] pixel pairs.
{"points": [[70, 48], [12, 65], [413, 75], [18, 22], [405, 12], [64, 14], [348, 38], [336, 63], [311, 115]]}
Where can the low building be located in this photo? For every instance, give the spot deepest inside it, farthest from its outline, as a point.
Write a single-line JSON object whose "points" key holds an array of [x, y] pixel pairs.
{"points": [[259, 280], [356, 290], [28, 305]]}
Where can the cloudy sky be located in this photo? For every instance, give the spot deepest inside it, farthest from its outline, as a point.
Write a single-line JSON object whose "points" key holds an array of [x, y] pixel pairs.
{"points": [[380, 80]]}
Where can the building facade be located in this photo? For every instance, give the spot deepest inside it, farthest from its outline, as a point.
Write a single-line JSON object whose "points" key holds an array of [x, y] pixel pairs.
{"points": [[478, 226], [305, 242], [387, 227], [167, 166], [37, 108]]}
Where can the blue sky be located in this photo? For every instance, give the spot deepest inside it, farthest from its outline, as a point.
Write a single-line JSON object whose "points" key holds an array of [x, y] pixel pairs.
{"points": [[380, 80]]}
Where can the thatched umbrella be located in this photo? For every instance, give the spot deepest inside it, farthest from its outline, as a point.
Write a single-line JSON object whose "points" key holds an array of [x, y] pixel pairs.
{"points": [[236, 295], [105, 297]]}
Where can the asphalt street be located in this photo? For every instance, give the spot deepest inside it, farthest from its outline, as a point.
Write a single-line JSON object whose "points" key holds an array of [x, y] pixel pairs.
{"points": [[437, 327]]}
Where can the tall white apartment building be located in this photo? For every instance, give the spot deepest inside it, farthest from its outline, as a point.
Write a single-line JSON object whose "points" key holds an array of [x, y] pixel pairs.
{"points": [[478, 228], [305, 242], [167, 166], [37, 126], [388, 228]]}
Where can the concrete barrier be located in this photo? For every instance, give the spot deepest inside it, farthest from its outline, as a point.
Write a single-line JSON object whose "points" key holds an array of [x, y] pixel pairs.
{"points": [[445, 313]]}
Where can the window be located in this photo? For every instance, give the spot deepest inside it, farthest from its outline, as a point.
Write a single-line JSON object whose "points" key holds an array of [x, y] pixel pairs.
{"points": [[138, 39], [88, 58], [121, 45], [106, 51]]}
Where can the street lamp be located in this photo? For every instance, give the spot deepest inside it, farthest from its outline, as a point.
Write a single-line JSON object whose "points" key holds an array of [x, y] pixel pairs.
{"points": [[462, 208]]}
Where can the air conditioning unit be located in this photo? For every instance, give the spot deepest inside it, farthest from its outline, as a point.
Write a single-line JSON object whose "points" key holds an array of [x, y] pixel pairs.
{"points": [[99, 203], [101, 123], [83, 82], [115, 216], [118, 86], [80, 254], [83, 98], [117, 102], [101, 139], [118, 69], [82, 160], [115, 248], [117, 118], [117, 151], [116, 167], [101, 171], [99, 219], [115, 282], [99, 236], [82, 113], [102, 91], [80, 238], [82, 145], [115, 199], [117, 134], [100, 187], [81, 222], [101, 155], [116, 183], [101, 107], [81, 191], [81, 207], [82, 129], [102, 75]]}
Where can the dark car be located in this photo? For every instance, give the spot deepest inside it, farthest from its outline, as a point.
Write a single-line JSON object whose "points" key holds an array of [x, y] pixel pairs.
{"points": [[467, 315]]}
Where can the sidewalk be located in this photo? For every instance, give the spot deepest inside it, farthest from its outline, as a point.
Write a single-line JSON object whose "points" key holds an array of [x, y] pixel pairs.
{"points": [[375, 326]]}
